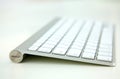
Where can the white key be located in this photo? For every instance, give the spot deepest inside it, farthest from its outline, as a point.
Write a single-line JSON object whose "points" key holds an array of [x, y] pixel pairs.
{"points": [[88, 55], [107, 33], [44, 49], [74, 52], [93, 41], [33, 48], [60, 51], [91, 47], [48, 46], [51, 42], [63, 46], [105, 50], [90, 51], [105, 53], [79, 41], [76, 47], [104, 58], [90, 43], [105, 46], [64, 41], [39, 42]]}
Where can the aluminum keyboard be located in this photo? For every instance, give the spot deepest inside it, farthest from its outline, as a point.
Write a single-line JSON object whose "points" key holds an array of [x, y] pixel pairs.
{"points": [[71, 39], [90, 40]]}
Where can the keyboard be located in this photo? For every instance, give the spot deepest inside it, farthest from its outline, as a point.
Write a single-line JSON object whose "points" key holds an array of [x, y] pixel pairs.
{"points": [[71, 39]]}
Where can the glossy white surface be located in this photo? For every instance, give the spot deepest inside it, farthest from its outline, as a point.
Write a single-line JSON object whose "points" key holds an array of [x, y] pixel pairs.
{"points": [[19, 20]]}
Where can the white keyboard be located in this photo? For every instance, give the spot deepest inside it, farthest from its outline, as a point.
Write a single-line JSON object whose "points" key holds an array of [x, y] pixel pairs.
{"points": [[86, 41]]}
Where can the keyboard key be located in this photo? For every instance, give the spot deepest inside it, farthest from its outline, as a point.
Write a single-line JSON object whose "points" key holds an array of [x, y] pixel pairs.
{"points": [[90, 51], [60, 51], [45, 49], [104, 58], [33, 48], [76, 47], [106, 46], [48, 46], [88, 55], [78, 44], [91, 47], [105, 50], [90, 43], [105, 53], [74, 52], [107, 33]]}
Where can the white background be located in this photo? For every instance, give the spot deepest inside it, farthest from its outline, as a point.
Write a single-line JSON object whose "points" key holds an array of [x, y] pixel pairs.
{"points": [[20, 19]]}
